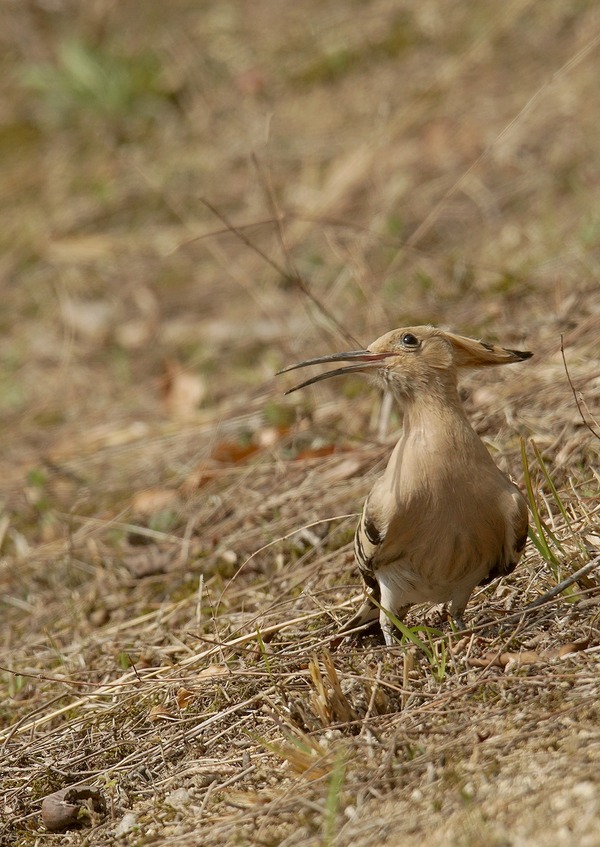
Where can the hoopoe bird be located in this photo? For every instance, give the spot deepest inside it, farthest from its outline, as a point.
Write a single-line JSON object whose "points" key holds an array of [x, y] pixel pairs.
{"points": [[442, 518]]}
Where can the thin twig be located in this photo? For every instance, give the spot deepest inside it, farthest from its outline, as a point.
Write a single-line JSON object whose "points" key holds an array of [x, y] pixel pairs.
{"points": [[577, 400], [566, 583], [553, 592], [290, 278]]}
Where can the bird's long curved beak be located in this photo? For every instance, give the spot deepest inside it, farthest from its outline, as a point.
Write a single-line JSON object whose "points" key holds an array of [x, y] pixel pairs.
{"points": [[364, 359]]}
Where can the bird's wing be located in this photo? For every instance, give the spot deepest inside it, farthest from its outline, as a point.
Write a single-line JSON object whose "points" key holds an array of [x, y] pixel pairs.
{"points": [[518, 524], [368, 538]]}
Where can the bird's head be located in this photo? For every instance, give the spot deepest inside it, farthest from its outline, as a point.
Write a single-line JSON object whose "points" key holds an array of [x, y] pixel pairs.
{"points": [[411, 359]]}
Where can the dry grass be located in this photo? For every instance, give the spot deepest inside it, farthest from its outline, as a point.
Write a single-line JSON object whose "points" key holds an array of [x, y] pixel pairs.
{"points": [[175, 537]]}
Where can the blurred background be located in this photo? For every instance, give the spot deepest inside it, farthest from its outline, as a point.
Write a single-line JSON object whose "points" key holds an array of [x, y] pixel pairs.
{"points": [[195, 194]]}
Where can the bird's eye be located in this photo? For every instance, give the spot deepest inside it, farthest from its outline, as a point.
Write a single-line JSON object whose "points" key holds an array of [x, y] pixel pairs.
{"points": [[410, 340]]}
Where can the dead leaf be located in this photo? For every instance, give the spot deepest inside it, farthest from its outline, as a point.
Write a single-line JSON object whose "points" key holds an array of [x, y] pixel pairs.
{"points": [[491, 660], [213, 672], [160, 713], [149, 501], [233, 452], [527, 657], [224, 454], [148, 562], [201, 474], [305, 755], [182, 391], [184, 697], [501, 660], [317, 452], [572, 647]]}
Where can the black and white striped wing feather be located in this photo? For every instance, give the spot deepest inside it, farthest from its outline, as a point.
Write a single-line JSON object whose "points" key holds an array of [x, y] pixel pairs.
{"points": [[368, 539]]}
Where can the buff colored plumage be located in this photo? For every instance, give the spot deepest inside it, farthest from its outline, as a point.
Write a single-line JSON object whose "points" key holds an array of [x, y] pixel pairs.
{"points": [[442, 518]]}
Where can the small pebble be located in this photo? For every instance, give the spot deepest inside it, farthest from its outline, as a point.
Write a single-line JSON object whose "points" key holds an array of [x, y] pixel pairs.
{"points": [[127, 823]]}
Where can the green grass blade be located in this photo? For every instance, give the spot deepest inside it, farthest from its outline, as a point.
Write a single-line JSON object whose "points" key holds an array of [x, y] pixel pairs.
{"points": [[334, 799], [407, 633], [540, 542], [551, 485], [549, 534]]}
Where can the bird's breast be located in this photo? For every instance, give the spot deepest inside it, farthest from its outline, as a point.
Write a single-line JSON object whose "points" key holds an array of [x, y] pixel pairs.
{"points": [[438, 533]]}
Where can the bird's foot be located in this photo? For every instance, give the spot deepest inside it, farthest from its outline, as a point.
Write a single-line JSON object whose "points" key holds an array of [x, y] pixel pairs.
{"points": [[458, 622]]}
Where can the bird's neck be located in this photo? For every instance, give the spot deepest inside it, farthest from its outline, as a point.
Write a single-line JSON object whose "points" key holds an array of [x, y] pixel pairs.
{"points": [[435, 417]]}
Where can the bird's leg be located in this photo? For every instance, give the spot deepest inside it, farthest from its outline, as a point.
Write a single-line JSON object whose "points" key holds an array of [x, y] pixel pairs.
{"points": [[457, 610], [388, 627], [389, 607], [459, 622]]}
